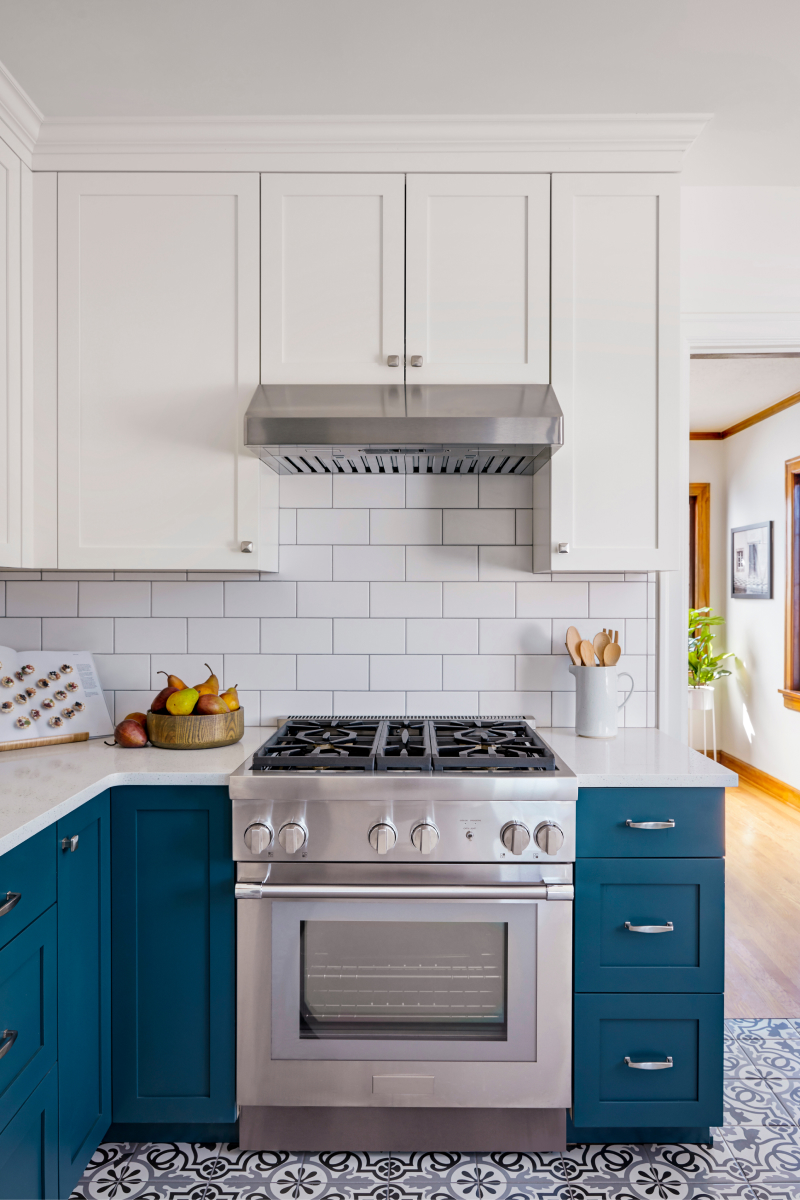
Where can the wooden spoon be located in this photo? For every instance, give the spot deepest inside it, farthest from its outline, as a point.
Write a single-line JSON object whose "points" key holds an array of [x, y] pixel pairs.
{"points": [[573, 642], [587, 653], [616, 635], [611, 654], [601, 640]]}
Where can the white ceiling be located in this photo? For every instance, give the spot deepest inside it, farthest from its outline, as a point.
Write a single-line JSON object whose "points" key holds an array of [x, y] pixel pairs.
{"points": [[723, 391], [136, 58]]}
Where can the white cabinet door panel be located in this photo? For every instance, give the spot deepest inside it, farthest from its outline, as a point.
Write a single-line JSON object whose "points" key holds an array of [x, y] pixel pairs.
{"points": [[10, 361], [478, 278], [332, 278], [615, 371], [158, 358]]}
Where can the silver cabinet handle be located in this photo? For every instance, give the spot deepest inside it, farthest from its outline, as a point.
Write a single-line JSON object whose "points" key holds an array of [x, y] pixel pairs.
{"points": [[670, 824], [662, 1066], [563, 547], [393, 360], [668, 928], [299, 891], [416, 360], [12, 900], [246, 547], [9, 1037], [70, 843]]}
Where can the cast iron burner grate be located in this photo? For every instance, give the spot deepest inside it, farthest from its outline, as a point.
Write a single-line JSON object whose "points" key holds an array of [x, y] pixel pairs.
{"points": [[420, 744]]}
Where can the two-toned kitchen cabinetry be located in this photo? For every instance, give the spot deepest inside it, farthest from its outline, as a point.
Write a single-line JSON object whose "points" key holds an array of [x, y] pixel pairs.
{"points": [[649, 964]]}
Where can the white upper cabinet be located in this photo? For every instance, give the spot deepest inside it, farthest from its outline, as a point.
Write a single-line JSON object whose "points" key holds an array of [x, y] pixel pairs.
{"points": [[158, 336], [10, 361], [478, 279], [332, 267], [615, 493]]}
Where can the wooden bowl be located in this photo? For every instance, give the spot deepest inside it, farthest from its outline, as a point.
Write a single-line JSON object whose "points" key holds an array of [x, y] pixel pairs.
{"points": [[202, 731]]}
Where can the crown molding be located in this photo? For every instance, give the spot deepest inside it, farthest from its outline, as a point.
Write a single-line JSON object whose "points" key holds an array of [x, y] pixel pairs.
{"points": [[741, 333], [20, 119], [648, 142]]}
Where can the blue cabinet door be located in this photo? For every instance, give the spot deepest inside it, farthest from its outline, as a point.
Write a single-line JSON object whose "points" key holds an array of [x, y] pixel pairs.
{"points": [[29, 1146], [84, 986], [612, 823], [27, 1012], [27, 882], [173, 975], [620, 903]]}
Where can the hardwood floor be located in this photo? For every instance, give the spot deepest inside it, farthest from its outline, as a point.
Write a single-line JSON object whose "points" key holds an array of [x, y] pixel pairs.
{"points": [[762, 924]]}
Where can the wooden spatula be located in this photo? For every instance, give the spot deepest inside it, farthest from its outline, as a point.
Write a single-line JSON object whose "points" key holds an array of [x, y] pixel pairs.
{"points": [[601, 640], [573, 643], [587, 653]]}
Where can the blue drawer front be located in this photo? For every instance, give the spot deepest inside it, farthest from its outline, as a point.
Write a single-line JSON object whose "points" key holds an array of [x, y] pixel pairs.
{"points": [[698, 813], [611, 958], [28, 870], [28, 1006], [29, 1146], [652, 1028]]}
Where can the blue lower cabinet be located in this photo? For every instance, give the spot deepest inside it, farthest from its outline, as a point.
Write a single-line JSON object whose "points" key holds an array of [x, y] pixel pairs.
{"points": [[623, 912], [173, 956], [650, 823], [27, 882], [615, 1034], [29, 1146], [84, 986], [27, 1012]]}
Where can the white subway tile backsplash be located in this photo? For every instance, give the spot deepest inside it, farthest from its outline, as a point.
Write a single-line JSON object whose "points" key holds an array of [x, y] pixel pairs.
{"points": [[634, 714], [563, 710], [39, 599], [478, 600], [441, 704], [222, 576], [506, 491], [129, 701], [369, 491], [405, 526], [19, 575], [287, 526], [260, 599], [77, 575], [553, 599], [392, 671], [353, 635], [350, 671], [517, 704], [332, 526], [305, 491], [441, 562], [441, 491], [405, 599], [250, 704], [190, 668], [119, 599], [636, 666], [333, 600], [21, 633], [224, 635], [491, 526], [652, 710], [618, 599], [524, 526], [369, 704], [147, 576], [369, 563], [562, 624], [270, 672], [514, 636], [79, 633], [123, 671], [504, 562], [544, 673], [296, 635], [306, 562], [467, 671], [276, 704], [187, 599], [636, 635], [457, 635]]}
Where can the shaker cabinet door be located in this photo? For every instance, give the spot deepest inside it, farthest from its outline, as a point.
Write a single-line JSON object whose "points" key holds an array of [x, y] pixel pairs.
{"points": [[616, 495], [478, 279], [158, 312], [332, 270], [10, 361]]}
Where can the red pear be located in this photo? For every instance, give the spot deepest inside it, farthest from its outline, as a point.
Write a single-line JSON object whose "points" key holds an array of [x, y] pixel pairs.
{"points": [[130, 733], [159, 704]]}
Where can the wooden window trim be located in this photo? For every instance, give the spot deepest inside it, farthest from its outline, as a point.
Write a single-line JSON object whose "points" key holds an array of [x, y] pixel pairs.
{"points": [[791, 651], [702, 544]]}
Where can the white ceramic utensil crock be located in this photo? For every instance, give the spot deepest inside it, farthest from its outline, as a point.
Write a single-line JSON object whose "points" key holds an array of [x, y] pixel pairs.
{"points": [[596, 705]]}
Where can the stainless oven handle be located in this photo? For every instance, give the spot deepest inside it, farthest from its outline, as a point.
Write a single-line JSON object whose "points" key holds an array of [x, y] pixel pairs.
{"points": [[297, 891]]}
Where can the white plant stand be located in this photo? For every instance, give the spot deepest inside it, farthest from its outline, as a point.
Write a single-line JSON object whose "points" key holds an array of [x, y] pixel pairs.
{"points": [[701, 699]]}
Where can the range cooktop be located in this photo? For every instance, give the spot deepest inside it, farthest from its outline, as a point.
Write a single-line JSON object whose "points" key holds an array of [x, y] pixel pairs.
{"points": [[411, 744]]}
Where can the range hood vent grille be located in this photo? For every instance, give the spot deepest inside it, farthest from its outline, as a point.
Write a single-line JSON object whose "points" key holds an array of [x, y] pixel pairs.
{"points": [[352, 460]]}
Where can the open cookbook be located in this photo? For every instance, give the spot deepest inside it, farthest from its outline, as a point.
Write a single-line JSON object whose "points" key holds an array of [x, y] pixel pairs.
{"points": [[50, 694]]}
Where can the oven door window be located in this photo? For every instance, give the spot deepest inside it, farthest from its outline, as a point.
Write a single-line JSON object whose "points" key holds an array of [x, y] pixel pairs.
{"points": [[432, 980]]}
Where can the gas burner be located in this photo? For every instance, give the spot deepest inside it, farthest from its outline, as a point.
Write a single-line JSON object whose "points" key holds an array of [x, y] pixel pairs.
{"points": [[405, 745], [489, 743], [333, 744]]}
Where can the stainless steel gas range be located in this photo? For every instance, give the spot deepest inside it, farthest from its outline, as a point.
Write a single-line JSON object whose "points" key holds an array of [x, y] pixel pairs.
{"points": [[404, 915]]}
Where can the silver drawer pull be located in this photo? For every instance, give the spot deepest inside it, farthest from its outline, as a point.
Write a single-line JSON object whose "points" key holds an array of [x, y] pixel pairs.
{"points": [[70, 843], [9, 1037], [670, 824], [12, 900], [662, 1066], [668, 928]]}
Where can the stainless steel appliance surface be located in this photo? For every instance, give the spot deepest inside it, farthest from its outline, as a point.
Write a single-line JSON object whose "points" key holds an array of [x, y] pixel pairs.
{"points": [[404, 914]]}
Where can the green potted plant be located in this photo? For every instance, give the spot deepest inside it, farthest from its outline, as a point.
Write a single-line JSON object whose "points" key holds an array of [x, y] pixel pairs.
{"points": [[704, 667]]}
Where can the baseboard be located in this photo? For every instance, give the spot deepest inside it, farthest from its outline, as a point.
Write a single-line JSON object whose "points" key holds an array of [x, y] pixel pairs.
{"points": [[639, 1135], [760, 779], [165, 1131]]}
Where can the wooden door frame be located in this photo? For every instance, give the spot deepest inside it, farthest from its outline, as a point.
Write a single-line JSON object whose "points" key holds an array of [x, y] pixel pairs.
{"points": [[791, 666], [702, 544]]}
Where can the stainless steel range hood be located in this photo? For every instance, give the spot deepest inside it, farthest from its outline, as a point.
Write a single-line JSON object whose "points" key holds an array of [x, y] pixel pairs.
{"points": [[395, 429]]}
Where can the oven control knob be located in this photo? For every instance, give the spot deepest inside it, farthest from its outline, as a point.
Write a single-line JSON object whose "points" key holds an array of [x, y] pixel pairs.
{"points": [[425, 837], [516, 837], [383, 837], [258, 837], [292, 837], [549, 837]]}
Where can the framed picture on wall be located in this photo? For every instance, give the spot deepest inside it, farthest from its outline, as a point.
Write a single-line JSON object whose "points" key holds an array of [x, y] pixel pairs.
{"points": [[751, 562]]}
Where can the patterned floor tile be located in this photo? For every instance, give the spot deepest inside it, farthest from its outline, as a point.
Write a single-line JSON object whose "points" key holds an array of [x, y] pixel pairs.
{"points": [[593, 1164], [769, 1027], [736, 1063], [109, 1173], [753, 1102], [775, 1191], [788, 1093], [766, 1155], [774, 1062], [760, 1041], [712, 1168]]}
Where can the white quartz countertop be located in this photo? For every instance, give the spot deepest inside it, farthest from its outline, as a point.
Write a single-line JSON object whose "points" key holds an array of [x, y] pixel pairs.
{"points": [[40, 785]]}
